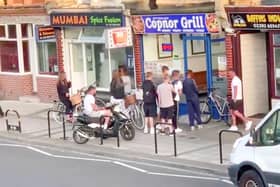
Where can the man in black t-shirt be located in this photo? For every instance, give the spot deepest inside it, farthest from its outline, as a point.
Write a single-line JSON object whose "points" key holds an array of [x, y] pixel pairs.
{"points": [[150, 106]]}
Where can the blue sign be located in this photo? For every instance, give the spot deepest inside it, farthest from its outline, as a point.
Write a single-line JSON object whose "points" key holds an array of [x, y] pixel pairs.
{"points": [[175, 23]]}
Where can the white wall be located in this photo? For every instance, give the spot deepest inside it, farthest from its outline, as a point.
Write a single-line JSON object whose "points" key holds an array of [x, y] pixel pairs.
{"points": [[254, 73]]}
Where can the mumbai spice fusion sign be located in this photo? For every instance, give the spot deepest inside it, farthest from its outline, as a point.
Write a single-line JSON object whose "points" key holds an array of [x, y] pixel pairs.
{"points": [[255, 21], [86, 19]]}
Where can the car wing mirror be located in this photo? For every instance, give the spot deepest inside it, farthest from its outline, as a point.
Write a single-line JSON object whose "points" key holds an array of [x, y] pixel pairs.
{"points": [[253, 137]]}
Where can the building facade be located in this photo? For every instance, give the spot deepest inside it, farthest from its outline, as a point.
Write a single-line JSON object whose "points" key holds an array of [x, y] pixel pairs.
{"points": [[21, 56], [252, 50]]}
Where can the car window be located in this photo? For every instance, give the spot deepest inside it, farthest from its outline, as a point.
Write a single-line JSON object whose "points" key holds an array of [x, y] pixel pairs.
{"points": [[277, 131], [267, 131]]}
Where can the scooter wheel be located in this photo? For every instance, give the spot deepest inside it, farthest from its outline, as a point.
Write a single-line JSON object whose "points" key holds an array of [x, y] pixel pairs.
{"points": [[78, 138], [127, 131]]}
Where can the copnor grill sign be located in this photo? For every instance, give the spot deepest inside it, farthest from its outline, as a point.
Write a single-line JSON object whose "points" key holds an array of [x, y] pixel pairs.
{"points": [[255, 21], [86, 19], [175, 23]]}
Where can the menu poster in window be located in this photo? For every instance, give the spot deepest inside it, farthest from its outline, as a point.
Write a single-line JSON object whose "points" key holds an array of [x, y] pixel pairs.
{"points": [[163, 40], [119, 38]]}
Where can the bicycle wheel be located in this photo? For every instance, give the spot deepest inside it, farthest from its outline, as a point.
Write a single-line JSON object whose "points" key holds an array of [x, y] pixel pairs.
{"points": [[137, 117], [205, 111], [227, 116], [58, 116]]}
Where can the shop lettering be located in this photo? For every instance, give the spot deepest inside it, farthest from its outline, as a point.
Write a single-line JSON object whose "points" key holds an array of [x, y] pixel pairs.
{"points": [[70, 20], [273, 18], [256, 18], [95, 20], [112, 20], [160, 24]]}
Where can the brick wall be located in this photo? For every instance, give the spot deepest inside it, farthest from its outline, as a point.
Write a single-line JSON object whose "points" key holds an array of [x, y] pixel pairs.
{"points": [[229, 56], [13, 86], [47, 89], [137, 53], [59, 48]]}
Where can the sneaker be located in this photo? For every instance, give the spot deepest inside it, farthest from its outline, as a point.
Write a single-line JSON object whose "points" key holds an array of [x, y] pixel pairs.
{"points": [[178, 130], [146, 131], [192, 128], [199, 126], [233, 128], [248, 125], [152, 131]]}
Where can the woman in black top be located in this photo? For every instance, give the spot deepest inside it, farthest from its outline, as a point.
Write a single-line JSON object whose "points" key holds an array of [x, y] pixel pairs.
{"points": [[63, 92], [116, 88]]}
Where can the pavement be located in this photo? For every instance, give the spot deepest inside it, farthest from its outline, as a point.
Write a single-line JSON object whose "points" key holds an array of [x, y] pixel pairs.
{"points": [[196, 149], [28, 166]]}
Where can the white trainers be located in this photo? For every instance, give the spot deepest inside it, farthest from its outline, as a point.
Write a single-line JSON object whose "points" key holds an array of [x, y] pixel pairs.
{"points": [[178, 130], [146, 131], [233, 128], [199, 126], [248, 125], [192, 128], [152, 131]]}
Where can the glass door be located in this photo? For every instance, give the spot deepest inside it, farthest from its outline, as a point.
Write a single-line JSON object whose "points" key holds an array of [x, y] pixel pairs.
{"points": [[77, 66], [90, 64]]}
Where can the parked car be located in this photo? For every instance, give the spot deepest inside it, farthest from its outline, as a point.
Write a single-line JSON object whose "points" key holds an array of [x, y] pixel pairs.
{"points": [[255, 158]]}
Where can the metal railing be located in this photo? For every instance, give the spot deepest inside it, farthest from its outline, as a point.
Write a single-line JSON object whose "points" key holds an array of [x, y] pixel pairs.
{"points": [[174, 137], [11, 127], [101, 122], [220, 141], [63, 123]]}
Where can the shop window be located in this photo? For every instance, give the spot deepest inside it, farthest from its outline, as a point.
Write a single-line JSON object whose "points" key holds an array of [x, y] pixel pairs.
{"points": [[24, 30], [9, 56], [2, 31], [26, 61], [277, 70], [47, 58], [12, 31]]}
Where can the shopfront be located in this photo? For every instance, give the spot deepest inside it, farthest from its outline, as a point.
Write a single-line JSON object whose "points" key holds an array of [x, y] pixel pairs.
{"points": [[180, 41], [256, 49], [89, 57]]}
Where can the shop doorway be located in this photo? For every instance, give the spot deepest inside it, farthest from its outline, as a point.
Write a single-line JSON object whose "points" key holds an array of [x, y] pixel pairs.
{"points": [[254, 73], [87, 65]]}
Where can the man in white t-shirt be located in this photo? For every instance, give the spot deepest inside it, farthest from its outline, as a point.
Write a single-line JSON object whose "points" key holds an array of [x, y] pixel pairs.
{"points": [[178, 86], [92, 110], [236, 102]]}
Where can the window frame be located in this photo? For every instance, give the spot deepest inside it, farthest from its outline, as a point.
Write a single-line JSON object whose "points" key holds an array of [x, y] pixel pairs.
{"points": [[259, 132], [39, 72]]}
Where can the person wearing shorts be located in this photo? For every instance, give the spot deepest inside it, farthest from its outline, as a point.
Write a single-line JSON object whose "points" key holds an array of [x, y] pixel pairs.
{"points": [[236, 102], [150, 106], [92, 110], [166, 103]]}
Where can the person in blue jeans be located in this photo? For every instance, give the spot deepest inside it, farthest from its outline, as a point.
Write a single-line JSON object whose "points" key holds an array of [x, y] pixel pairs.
{"points": [[191, 92]]}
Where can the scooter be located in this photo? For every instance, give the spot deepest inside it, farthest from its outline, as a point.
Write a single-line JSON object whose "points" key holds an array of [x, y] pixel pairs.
{"points": [[86, 128]]}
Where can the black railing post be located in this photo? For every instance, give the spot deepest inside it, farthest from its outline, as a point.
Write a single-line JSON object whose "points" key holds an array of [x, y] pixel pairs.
{"points": [[11, 126], [49, 124], [118, 136], [155, 135], [175, 144], [63, 126], [174, 138], [220, 141]]}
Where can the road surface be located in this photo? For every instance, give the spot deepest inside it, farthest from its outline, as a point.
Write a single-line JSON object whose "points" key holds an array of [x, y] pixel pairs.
{"points": [[26, 166]]}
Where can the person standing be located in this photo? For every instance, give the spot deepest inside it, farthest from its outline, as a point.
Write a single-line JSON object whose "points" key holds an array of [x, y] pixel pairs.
{"points": [[177, 84], [116, 88], [236, 102], [125, 78], [150, 106], [166, 103], [191, 92], [63, 86]]}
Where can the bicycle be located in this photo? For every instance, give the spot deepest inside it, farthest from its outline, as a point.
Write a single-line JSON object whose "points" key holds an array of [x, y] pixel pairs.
{"points": [[215, 101]]}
